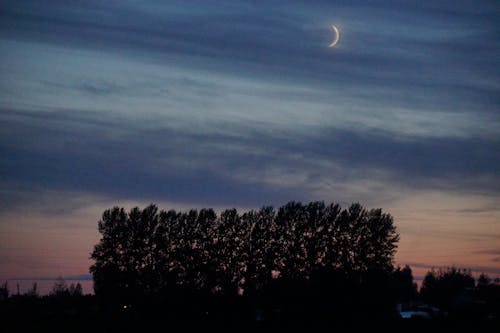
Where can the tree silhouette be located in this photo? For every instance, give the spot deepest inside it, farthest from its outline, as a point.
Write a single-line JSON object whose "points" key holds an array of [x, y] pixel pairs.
{"points": [[33, 291], [405, 289], [60, 287], [442, 287], [263, 255], [4, 291]]}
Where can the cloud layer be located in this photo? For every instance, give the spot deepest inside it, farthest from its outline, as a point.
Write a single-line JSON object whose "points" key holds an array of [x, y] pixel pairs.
{"points": [[241, 103]]}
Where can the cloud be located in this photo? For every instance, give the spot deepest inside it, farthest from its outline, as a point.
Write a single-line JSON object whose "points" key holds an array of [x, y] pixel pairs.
{"points": [[477, 269], [494, 253], [129, 90], [485, 209], [242, 104], [227, 163], [491, 251], [416, 65], [82, 277]]}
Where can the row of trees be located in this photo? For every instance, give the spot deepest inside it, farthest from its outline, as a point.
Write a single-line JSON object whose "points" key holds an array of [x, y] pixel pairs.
{"points": [[441, 287], [312, 261], [59, 289], [65, 309], [145, 252], [452, 288]]}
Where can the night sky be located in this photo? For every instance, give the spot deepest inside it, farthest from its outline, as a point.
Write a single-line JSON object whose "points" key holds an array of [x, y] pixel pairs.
{"points": [[222, 104]]}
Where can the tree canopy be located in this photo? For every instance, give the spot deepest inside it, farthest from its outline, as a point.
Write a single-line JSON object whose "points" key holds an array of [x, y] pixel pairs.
{"points": [[442, 287], [147, 251]]}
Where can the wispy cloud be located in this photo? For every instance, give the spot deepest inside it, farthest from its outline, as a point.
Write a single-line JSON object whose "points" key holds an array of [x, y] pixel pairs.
{"points": [[241, 103], [477, 269], [431, 89], [69, 150], [84, 277]]}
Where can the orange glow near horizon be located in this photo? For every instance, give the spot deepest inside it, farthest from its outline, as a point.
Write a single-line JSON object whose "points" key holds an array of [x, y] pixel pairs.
{"points": [[463, 234], [39, 246]]}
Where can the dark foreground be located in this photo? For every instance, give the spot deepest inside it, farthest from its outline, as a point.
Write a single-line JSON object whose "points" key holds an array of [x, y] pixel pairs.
{"points": [[85, 314]]}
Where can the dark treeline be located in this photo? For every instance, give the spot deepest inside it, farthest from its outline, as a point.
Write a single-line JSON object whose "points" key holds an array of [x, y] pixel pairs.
{"points": [[302, 265], [456, 292], [298, 263], [64, 309], [146, 251]]}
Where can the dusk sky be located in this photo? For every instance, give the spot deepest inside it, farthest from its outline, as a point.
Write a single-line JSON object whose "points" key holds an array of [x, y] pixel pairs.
{"points": [[191, 104]]}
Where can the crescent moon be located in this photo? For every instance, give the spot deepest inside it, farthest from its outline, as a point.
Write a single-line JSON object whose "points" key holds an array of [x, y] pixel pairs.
{"points": [[336, 38]]}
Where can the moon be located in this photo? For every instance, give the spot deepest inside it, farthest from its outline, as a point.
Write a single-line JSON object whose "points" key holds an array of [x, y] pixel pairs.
{"points": [[336, 38]]}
